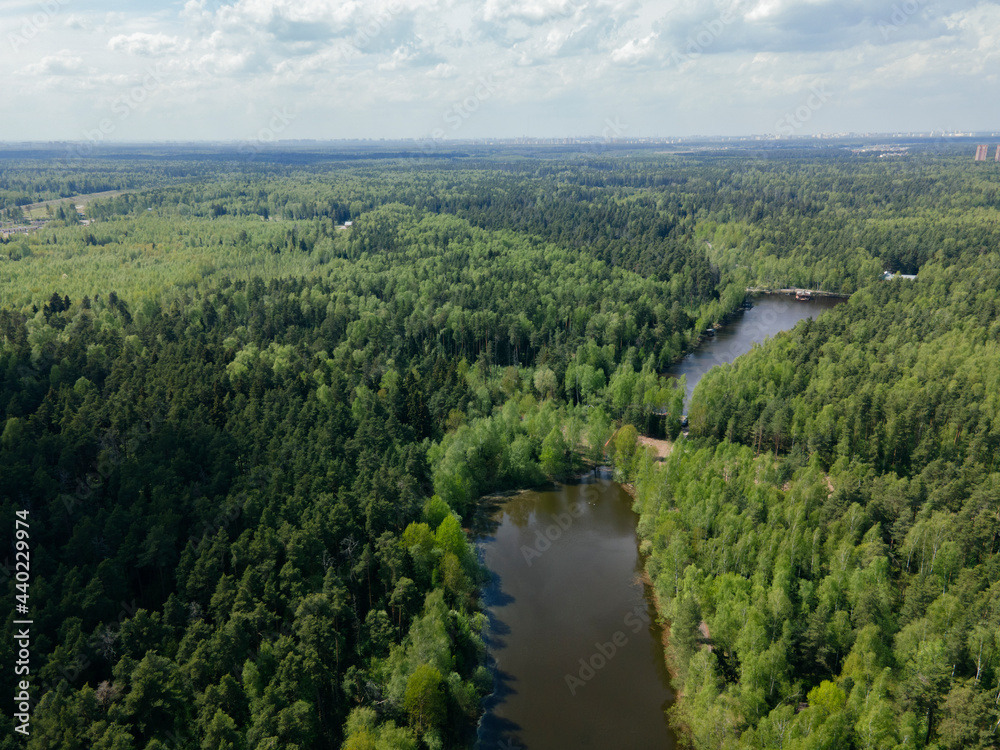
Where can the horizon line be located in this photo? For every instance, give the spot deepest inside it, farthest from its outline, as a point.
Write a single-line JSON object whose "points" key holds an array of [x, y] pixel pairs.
{"points": [[550, 139]]}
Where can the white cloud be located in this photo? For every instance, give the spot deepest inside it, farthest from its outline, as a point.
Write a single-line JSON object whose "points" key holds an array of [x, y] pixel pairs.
{"points": [[635, 50], [284, 19], [530, 11], [79, 22], [405, 57], [227, 63], [141, 43], [63, 63], [764, 10], [443, 70], [391, 67]]}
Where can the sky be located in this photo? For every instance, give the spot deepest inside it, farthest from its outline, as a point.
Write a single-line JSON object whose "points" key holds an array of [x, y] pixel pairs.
{"points": [[267, 70]]}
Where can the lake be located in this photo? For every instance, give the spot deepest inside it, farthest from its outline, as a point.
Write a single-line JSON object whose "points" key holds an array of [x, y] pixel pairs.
{"points": [[573, 636]]}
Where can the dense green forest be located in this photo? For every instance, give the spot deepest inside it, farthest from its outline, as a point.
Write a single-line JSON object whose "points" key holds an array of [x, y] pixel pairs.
{"points": [[250, 437], [825, 545]]}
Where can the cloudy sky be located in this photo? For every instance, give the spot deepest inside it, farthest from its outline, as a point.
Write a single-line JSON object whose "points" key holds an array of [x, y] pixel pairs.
{"points": [[298, 69]]}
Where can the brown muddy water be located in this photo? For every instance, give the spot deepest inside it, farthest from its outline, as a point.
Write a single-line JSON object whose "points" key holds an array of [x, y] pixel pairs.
{"points": [[576, 651]]}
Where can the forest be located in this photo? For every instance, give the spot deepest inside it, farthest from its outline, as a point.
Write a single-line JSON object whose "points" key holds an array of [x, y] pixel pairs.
{"points": [[251, 407], [832, 526]]}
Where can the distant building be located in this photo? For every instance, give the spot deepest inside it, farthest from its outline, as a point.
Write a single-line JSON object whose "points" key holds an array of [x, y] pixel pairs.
{"points": [[981, 152], [997, 157], [889, 276], [348, 223]]}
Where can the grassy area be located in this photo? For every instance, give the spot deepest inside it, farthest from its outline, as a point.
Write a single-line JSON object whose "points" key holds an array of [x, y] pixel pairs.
{"points": [[45, 209]]}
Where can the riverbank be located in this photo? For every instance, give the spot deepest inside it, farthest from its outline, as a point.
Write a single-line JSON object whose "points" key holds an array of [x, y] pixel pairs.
{"points": [[662, 619], [664, 622], [772, 312]]}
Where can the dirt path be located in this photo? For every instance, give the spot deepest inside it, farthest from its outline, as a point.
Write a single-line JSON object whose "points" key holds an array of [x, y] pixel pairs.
{"points": [[662, 448]]}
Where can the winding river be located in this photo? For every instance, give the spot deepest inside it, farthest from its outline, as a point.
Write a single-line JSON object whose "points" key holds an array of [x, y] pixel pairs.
{"points": [[573, 639], [770, 315]]}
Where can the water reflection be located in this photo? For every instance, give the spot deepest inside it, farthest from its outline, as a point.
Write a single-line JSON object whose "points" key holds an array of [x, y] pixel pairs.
{"points": [[576, 649]]}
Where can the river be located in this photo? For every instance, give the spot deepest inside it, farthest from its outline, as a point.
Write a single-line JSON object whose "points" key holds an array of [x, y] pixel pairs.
{"points": [[573, 639], [770, 314]]}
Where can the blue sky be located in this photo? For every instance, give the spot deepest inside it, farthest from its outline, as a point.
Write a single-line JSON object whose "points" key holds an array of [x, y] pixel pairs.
{"points": [[294, 69]]}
